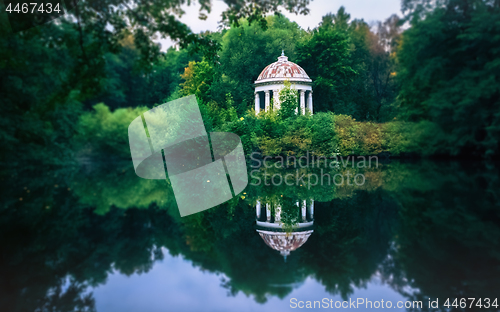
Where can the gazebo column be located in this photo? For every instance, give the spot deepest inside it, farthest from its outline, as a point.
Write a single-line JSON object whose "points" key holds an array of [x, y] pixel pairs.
{"points": [[267, 100], [257, 208], [268, 213], [257, 103], [303, 102], [277, 214], [303, 211], [310, 101], [276, 99], [311, 210]]}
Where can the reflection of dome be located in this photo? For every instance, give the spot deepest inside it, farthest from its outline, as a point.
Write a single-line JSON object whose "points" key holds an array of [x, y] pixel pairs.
{"points": [[284, 242], [283, 70], [273, 233]]}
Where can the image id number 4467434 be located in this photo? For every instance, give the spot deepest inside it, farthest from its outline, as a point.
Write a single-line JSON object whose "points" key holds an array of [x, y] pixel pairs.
{"points": [[471, 302], [33, 8]]}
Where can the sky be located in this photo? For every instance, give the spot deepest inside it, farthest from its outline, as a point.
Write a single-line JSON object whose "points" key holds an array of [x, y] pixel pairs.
{"points": [[175, 284], [369, 10]]}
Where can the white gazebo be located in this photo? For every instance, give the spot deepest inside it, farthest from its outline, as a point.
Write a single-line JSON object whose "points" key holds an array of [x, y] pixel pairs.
{"points": [[271, 80]]}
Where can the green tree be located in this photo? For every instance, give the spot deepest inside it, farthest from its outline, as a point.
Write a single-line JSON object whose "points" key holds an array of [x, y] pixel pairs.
{"points": [[382, 67], [47, 72], [246, 51], [289, 101], [165, 78], [198, 78], [351, 66], [449, 73], [326, 57]]}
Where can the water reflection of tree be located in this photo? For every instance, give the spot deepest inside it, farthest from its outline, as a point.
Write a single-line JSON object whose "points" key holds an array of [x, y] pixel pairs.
{"points": [[449, 240], [49, 237], [351, 238], [439, 225]]}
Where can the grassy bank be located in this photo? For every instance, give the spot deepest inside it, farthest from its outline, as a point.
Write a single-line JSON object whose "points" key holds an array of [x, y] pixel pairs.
{"points": [[103, 131]]}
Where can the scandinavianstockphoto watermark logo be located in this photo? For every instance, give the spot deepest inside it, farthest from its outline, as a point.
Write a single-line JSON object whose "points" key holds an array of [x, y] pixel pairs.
{"points": [[310, 170], [205, 169]]}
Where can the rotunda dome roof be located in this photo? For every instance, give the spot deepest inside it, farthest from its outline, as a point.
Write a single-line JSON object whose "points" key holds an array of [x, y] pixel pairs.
{"points": [[283, 70], [285, 242]]}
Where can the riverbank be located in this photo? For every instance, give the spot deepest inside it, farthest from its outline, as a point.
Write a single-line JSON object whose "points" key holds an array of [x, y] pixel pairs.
{"points": [[103, 131]]}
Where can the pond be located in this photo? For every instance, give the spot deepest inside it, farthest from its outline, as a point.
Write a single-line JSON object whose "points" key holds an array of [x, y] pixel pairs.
{"points": [[95, 237]]}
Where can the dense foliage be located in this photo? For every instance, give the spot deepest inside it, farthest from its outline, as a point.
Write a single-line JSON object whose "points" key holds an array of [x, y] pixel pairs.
{"points": [[99, 51], [272, 133], [70, 88], [450, 72], [430, 89]]}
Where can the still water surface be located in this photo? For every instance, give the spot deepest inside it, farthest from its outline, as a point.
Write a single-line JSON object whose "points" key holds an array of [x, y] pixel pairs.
{"points": [[98, 238]]}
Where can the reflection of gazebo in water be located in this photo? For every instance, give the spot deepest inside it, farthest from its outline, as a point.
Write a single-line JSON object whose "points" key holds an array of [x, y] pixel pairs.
{"points": [[272, 231]]}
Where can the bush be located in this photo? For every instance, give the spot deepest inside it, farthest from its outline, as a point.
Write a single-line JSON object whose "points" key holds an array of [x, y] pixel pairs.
{"points": [[103, 131], [358, 138], [321, 134], [289, 101]]}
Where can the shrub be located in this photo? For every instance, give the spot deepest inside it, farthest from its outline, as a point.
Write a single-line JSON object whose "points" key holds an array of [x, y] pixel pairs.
{"points": [[321, 134], [289, 100], [346, 129], [103, 131]]}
